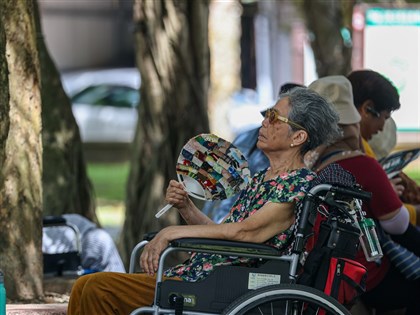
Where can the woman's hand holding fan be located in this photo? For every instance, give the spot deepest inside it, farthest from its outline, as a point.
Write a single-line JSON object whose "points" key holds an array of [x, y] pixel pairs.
{"points": [[210, 168]]}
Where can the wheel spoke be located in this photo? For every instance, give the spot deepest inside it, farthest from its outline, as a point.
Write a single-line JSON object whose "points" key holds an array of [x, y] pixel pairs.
{"points": [[289, 299]]}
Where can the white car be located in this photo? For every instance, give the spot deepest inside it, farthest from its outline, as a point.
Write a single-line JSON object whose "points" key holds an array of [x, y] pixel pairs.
{"points": [[104, 103]]}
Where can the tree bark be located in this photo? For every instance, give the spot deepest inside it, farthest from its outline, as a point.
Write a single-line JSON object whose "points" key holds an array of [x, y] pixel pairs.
{"points": [[66, 186], [173, 58], [4, 98], [329, 25], [21, 168]]}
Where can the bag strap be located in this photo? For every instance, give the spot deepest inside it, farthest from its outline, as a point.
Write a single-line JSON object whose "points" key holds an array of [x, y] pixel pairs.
{"points": [[360, 289]]}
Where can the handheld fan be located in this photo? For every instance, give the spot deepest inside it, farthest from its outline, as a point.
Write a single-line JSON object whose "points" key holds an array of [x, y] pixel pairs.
{"points": [[210, 168]]}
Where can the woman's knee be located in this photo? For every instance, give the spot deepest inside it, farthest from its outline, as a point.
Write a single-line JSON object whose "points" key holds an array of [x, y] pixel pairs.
{"points": [[96, 281], [80, 283]]}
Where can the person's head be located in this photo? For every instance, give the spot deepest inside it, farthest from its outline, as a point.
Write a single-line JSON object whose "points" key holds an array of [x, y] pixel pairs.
{"points": [[286, 87], [375, 98], [300, 119], [338, 91]]}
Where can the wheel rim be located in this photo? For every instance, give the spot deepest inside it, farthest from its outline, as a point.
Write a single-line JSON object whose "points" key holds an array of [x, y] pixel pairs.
{"points": [[286, 298]]}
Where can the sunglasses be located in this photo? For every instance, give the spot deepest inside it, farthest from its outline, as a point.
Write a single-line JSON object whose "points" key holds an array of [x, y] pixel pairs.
{"points": [[373, 112], [273, 115]]}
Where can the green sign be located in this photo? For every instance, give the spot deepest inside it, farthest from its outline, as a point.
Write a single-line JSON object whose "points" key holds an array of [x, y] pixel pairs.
{"points": [[381, 16]]}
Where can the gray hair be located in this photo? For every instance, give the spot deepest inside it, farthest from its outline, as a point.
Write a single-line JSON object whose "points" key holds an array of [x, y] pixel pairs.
{"points": [[315, 114]]}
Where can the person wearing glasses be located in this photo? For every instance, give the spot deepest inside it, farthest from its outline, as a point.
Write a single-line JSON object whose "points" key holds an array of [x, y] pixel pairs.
{"points": [[375, 98], [300, 120], [385, 206]]}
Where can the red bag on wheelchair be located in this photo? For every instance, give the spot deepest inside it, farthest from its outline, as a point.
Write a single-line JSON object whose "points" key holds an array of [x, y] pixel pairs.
{"points": [[345, 280], [330, 266]]}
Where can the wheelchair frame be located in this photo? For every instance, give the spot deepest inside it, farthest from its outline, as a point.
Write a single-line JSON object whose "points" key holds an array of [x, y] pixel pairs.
{"points": [[67, 263], [290, 290]]}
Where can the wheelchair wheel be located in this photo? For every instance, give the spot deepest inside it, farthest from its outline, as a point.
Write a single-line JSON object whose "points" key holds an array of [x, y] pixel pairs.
{"points": [[286, 299]]}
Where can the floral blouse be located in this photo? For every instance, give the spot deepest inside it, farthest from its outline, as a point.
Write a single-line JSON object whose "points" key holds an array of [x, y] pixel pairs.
{"points": [[286, 187]]}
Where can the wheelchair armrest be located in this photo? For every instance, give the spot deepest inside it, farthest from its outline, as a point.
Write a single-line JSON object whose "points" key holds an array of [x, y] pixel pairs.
{"points": [[233, 248], [224, 245], [149, 236]]}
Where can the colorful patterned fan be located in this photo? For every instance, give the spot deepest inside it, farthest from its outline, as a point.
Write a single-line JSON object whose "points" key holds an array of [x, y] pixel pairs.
{"points": [[210, 168]]}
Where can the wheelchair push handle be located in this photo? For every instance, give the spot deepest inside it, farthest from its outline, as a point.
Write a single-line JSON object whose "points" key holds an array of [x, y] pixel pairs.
{"points": [[353, 192], [348, 191]]}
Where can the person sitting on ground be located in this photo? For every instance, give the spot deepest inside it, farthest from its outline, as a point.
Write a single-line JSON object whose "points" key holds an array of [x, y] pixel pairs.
{"points": [[264, 212], [246, 142], [375, 98], [384, 206], [98, 250]]}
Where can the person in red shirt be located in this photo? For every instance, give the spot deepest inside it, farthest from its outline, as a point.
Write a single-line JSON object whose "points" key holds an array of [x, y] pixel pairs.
{"points": [[387, 288], [375, 99]]}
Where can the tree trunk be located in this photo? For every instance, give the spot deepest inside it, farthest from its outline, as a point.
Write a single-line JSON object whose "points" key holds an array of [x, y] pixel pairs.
{"points": [[21, 168], [173, 58], [329, 24], [66, 186]]}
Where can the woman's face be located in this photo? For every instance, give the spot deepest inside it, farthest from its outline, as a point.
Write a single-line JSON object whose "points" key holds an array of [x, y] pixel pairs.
{"points": [[276, 135], [372, 121]]}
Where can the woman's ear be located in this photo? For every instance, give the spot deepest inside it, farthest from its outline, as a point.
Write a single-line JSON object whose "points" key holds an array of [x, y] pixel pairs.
{"points": [[300, 137]]}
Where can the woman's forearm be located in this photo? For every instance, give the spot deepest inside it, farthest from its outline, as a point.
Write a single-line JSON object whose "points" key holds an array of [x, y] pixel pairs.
{"points": [[257, 228], [193, 216]]}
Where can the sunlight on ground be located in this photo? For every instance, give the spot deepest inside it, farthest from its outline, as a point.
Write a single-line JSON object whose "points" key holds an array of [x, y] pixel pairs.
{"points": [[110, 213], [111, 216]]}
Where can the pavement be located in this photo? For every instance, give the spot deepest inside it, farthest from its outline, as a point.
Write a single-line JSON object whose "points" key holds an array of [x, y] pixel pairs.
{"points": [[56, 296], [36, 309]]}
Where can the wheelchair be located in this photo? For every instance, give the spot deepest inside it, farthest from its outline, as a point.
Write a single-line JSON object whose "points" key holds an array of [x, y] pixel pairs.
{"points": [[270, 288], [64, 259]]}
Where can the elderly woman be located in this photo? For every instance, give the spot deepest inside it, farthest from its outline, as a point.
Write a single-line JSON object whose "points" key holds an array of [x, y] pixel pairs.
{"points": [[300, 121]]}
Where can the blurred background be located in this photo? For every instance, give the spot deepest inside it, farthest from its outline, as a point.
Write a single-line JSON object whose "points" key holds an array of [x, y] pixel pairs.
{"points": [[256, 46]]}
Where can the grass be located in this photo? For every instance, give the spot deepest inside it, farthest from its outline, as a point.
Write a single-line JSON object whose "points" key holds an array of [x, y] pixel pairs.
{"points": [[109, 181]]}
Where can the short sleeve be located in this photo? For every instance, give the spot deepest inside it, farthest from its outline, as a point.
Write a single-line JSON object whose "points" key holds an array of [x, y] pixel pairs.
{"points": [[292, 187]]}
